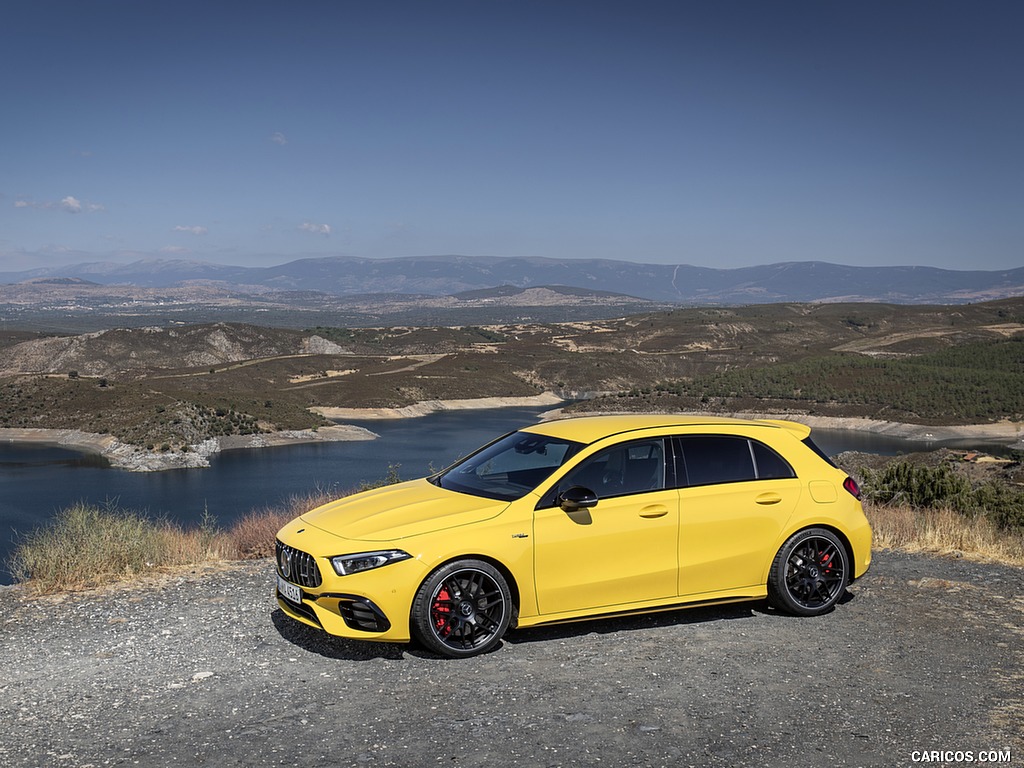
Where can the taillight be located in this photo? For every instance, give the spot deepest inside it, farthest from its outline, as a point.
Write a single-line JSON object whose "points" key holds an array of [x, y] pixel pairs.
{"points": [[851, 485]]}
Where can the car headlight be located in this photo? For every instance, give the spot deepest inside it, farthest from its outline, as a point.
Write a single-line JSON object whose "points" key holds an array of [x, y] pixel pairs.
{"points": [[346, 565]]}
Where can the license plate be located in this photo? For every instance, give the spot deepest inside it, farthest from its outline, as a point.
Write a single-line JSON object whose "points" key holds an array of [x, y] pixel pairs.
{"points": [[291, 592]]}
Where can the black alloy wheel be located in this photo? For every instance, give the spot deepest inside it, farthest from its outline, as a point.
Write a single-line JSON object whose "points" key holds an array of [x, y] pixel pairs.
{"points": [[809, 573], [462, 609]]}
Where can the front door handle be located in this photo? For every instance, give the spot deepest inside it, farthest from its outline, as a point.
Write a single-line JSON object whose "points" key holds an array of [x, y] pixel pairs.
{"points": [[768, 498], [654, 510]]}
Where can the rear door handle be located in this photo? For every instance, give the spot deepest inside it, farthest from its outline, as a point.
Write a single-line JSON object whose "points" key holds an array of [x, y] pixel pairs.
{"points": [[655, 510], [768, 498]]}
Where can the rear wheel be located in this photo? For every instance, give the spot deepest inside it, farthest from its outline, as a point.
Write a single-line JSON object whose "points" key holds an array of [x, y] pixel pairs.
{"points": [[462, 609], [809, 573]]}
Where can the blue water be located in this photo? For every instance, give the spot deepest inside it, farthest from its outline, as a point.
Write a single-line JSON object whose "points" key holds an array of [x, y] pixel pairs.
{"points": [[37, 481]]}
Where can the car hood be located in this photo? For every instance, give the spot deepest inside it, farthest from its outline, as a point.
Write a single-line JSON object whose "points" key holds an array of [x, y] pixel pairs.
{"points": [[399, 511]]}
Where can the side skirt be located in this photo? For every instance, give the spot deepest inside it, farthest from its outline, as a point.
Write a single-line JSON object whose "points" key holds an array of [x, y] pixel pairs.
{"points": [[608, 613]]}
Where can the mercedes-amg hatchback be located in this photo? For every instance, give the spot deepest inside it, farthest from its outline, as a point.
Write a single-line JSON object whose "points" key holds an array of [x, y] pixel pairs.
{"points": [[583, 517]]}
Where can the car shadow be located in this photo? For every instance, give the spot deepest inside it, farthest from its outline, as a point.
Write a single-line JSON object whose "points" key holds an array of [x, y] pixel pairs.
{"points": [[765, 608], [330, 647], [319, 642], [677, 617], [636, 622]]}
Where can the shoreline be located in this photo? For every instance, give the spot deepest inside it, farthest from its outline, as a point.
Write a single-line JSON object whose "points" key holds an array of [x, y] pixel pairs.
{"points": [[427, 407], [1010, 433], [134, 458]]}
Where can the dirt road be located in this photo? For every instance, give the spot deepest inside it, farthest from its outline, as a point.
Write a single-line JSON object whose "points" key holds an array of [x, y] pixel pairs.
{"points": [[926, 654]]}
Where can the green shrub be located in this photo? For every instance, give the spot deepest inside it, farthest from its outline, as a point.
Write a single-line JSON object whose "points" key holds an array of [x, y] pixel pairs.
{"points": [[919, 487], [942, 488]]}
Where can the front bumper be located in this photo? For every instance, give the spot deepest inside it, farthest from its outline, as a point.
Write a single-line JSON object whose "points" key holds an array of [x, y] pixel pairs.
{"points": [[373, 605], [359, 614]]}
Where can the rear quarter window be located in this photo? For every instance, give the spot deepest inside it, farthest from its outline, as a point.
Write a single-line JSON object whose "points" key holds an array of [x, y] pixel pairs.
{"points": [[770, 465]]}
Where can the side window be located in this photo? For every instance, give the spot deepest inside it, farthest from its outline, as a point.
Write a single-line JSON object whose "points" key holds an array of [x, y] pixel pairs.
{"points": [[711, 459], [770, 466], [621, 469]]}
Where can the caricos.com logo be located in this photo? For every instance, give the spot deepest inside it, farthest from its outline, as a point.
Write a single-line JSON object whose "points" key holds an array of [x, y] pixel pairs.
{"points": [[934, 756]]}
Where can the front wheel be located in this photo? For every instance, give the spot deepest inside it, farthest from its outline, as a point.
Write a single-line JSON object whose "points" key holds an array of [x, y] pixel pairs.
{"points": [[809, 573], [462, 609]]}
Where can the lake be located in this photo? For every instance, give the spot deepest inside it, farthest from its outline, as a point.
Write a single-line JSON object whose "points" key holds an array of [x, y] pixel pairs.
{"points": [[36, 481]]}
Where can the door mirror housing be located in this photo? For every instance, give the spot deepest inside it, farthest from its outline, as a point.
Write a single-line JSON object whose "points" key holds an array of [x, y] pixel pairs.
{"points": [[577, 497]]}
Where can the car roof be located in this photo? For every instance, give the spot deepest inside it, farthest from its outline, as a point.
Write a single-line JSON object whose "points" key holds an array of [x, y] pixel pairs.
{"points": [[588, 429]]}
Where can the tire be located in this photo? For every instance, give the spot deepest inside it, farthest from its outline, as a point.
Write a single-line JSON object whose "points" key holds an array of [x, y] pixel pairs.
{"points": [[809, 574], [462, 609]]}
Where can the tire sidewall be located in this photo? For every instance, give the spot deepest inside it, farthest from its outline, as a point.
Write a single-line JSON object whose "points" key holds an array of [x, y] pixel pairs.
{"points": [[779, 594], [420, 620]]}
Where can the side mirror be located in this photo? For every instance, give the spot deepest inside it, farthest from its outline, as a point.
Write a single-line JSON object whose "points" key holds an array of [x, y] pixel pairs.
{"points": [[577, 497]]}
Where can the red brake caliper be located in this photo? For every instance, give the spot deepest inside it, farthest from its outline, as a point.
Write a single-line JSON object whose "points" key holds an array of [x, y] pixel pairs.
{"points": [[442, 607]]}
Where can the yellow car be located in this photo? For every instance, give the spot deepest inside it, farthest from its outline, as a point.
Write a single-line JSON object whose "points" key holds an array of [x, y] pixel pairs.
{"points": [[584, 517]]}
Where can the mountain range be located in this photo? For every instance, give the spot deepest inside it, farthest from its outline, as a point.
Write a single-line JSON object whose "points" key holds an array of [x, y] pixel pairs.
{"points": [[812, 281]]}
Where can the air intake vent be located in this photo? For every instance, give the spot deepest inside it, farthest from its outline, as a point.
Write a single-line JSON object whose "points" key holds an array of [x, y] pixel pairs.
{"points": [[363, 615]]}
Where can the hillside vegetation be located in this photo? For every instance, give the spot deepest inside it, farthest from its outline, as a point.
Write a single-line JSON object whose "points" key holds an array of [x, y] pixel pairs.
{"points": [[168, 388], [977, 382]]}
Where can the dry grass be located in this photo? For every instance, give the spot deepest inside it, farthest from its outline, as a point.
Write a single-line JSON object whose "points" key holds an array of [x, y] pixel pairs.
{"points": [[253, 535], [943, 531], [88, 546]]}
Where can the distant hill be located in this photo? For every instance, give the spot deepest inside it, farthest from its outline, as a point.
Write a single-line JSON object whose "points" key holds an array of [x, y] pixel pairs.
{"points": [[683, 284], [58, 281], [562, 293]]}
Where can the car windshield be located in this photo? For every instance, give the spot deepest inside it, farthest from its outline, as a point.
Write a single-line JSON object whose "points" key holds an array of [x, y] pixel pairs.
{"points": [[508, 468]]}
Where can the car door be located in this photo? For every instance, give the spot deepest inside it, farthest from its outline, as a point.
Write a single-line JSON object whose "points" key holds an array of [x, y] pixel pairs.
{"points": [[736, 497], [624, 549]]}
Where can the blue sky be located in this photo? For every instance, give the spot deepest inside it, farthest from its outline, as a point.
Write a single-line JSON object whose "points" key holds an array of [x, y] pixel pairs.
{"points": [[717, 133]]}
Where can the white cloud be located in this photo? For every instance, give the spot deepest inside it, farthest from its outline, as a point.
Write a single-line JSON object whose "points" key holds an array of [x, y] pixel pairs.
{"points": [[316, 229], [278, 138], [191, 230], [70, 204]]}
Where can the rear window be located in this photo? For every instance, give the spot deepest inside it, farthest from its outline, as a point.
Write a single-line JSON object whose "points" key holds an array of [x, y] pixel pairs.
{"points": [[814, 447]]}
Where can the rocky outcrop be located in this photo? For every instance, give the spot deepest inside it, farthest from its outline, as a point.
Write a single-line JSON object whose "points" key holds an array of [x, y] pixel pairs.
{"points": [[134, 458]]}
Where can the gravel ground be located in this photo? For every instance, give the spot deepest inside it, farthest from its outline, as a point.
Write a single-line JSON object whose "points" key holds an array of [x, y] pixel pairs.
{"points": [[203, 670]]}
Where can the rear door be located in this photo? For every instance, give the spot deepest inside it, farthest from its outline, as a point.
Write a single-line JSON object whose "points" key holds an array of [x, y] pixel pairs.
{"points": [[736, 497]]}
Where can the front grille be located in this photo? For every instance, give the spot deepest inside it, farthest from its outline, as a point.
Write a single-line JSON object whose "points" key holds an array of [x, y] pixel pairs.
{"points": [[297, 566]]}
